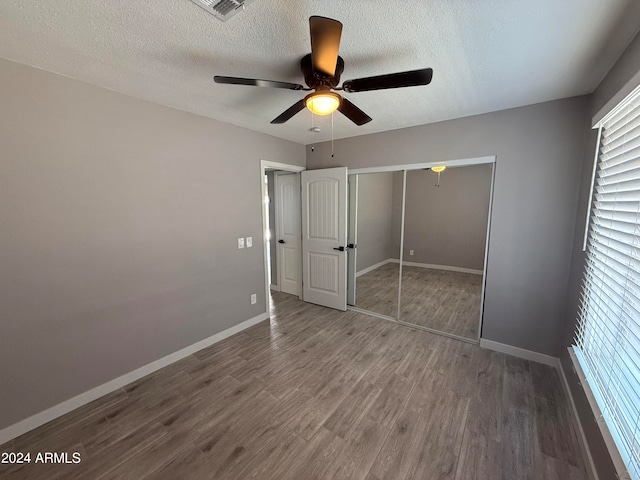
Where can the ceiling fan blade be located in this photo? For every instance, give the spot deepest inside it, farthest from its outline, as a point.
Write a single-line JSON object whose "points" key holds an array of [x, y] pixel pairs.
{"points": [[353, 113], [325, 43], [255, 82], [289, 112], [393, 80]]}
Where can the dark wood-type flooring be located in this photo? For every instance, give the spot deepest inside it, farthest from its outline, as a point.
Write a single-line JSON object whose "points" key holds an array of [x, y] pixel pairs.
{"points": [[377, 290], [321, 394], [439, 299]]}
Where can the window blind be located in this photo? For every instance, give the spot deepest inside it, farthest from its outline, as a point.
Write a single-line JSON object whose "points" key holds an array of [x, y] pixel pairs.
{"points": [[607, 343]]}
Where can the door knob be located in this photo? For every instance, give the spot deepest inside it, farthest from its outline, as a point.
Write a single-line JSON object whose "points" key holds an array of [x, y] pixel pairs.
{"points": [[351, 245], [340, 249], [280, 241]]}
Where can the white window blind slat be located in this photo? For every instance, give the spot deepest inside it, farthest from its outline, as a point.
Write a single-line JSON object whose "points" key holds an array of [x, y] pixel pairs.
{"points": [[608, 236], [624, 216], [625, 207], [631, 162], [607, 338], [614, 253], [627, 227], [621, 146], [629, 128], [608, 177], [620, 121], [611, 331], [603, 187], [613, 196], [605, 286]]}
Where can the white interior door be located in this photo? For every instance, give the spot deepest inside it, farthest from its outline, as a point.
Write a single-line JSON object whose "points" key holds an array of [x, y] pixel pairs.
{"points": [[288, 236], [352, 239], [324, 237]]}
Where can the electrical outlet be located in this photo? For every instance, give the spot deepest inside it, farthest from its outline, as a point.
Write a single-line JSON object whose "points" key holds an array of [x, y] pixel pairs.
{"points": [[254, 299], [241, 242], [249, 242], [410, 252]]}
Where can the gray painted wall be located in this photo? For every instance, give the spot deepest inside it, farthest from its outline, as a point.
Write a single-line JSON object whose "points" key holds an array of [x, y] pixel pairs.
{"points": [[622, 79], [375, 205], [119, 225], [539, 152], [447, 225]]}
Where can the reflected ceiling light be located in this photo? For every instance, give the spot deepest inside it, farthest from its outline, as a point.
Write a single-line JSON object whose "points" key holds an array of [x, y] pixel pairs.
{"points": [[322, 102]]}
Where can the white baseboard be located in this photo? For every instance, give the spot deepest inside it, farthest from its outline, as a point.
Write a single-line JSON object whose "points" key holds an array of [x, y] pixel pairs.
{"points": [[441, 267], [582, 440], [520, 352], [56, 411], [373, 267]]}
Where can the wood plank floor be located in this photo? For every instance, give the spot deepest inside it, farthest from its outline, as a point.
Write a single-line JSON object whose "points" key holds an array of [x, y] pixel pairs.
{"points": [[321, 394], [438, 299]]}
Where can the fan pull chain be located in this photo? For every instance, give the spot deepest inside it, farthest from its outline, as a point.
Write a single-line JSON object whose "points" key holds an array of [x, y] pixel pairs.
{"points": [[331, 134], [313, 132], [438, 181]]}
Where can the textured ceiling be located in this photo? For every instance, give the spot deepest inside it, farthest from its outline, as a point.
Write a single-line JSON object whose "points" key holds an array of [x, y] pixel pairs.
{"points": [[486, 55]]}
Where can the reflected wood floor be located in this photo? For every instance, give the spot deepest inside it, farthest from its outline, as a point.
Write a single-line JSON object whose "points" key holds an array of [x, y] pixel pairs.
{"points": [[439, 299], [320, 394], [443, 300], [377, 290]]}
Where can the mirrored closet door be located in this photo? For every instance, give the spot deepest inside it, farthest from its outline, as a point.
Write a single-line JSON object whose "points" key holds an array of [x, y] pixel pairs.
{"points": [[444, 244], [375, 226]]}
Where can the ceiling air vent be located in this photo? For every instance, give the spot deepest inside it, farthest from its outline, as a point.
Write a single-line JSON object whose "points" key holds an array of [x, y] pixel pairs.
{"points": [[223, 9]]}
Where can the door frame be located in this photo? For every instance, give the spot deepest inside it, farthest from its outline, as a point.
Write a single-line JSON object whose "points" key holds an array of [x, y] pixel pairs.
{"points": [[264, 165]]}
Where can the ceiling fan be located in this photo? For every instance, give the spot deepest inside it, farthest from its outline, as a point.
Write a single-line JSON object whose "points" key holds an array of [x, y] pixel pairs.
{"points": [[322, 69]]}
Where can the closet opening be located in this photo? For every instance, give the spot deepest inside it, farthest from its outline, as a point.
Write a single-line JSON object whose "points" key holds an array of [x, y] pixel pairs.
{"points": [[420, 244]]}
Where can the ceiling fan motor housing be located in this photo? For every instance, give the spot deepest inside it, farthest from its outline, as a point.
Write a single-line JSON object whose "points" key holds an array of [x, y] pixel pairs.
{"points": [[315, 79]]}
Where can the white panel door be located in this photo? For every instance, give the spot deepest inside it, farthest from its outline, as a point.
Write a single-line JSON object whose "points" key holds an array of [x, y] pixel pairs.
{"points": [[324, 237], [288, 236]]}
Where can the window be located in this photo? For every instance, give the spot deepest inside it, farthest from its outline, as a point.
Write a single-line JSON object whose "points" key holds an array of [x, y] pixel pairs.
{"points": [[608, 335]]}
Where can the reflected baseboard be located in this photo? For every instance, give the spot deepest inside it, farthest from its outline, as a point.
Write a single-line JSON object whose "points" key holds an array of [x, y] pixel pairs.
{"points": [[439, 332], [374, 266], [373, 314], [449, 268]]}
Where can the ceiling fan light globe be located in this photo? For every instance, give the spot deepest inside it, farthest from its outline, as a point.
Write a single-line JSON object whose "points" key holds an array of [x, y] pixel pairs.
{"points": [[322, 103]]}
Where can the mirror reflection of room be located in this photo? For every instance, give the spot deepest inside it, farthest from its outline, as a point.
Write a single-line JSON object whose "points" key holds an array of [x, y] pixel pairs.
{"points": [[375, 217], [445, 234]]}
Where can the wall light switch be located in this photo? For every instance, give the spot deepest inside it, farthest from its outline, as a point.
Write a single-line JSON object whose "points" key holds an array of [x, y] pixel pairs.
{"points": [[410, 252], [241, 242], [253, 299], [249, 242]]}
